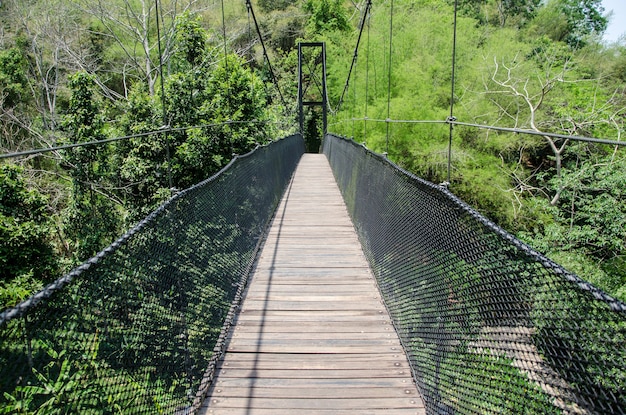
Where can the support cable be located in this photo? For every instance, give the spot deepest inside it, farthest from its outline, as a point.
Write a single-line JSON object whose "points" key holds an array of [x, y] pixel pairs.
{"points": [[265, 55], [367, 78], [452, 117], [542, 134], [165, 120], [389, 75], [389, 120], [227, 74], [224, 34], [503, 129], [163, 130], [356, 53]]}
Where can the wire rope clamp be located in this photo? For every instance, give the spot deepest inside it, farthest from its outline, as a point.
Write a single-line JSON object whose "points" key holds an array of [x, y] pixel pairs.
{"points": [[451, 119]]}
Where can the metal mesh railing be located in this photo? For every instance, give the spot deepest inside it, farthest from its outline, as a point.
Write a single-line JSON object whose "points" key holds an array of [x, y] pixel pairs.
{"points": [[488, 324], [134, 329]]}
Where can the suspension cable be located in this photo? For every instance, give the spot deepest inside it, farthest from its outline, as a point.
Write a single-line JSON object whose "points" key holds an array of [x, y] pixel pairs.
{"points": [[224, 35], [356, 53], [452, 118], [542, 134], [389, 75], [165, 129], [367, 78], [389, 120], [265, 55], [503, 129]]}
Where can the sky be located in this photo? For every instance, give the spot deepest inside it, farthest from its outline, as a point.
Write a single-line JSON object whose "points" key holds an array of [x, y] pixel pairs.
{"points": [[617, 24]]}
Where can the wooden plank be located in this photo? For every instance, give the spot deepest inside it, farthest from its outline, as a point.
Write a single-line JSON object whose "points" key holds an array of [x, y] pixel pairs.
{"points": [[312, 335], [310, 305], [302, 411], [344, 383], [335, 273], [292, 361], [315, 393], [308, 297], [287, 287], [313, 347], [313, 373], [313, 315], [305, 336], [344, 276], [313, 403], [308, 326]]}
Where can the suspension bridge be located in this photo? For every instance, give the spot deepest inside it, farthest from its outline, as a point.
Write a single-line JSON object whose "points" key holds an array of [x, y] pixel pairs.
{"points": [[338, 283], [349, 286]]}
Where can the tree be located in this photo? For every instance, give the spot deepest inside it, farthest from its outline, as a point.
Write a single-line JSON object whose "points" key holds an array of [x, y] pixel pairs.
{"points": [[218, 100], [520, 10], [571, 21], [14, 98], [27, 257], [131, 27], [326, 15], [271, 5], [525, 92], [91, 220], [190, 41], [234, 99], [13, 82]]}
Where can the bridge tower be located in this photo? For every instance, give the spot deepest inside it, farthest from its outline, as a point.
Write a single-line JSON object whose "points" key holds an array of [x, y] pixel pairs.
{"points": [[312, 93]]}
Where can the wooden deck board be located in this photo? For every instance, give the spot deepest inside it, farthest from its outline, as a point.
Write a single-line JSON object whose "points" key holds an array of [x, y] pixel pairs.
{"points": [[312, 335]]}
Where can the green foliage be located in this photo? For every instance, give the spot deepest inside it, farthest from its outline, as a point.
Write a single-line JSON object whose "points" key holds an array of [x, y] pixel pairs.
{"points": [[13, 77], [586, 230], [603, 370], [326, 15], [500, 12], [191, 39], [512, 393], [27, 258], [598, 219], [142, 160], [271, 5], [571, 21], [285, 27], [57, 388], [91, 220], [536, 67]]}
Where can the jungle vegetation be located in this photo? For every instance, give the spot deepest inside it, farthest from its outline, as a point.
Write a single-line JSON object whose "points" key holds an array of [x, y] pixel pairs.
{"points": [[75, 71]]}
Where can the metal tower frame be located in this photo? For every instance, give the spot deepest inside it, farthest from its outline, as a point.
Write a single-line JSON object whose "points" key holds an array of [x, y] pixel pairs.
{"points": [[312, 79]]}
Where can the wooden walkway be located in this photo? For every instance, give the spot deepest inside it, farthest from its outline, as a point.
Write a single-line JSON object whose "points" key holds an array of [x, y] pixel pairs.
{"points": [[313, 336]]}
